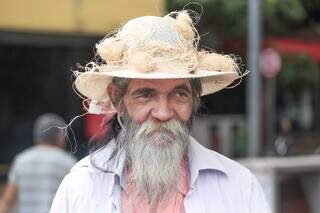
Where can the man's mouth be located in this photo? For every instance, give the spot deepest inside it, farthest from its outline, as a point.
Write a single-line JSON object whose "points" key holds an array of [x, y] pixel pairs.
{"points": [[161, 137]]}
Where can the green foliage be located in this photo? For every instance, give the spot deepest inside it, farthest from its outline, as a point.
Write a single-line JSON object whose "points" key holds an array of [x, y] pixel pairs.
{"points": [[229, 16], [279, 16], [298, 73]]}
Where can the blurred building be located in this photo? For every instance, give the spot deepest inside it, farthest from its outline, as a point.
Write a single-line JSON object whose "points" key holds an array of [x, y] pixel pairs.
{"points": [[41, 42]]}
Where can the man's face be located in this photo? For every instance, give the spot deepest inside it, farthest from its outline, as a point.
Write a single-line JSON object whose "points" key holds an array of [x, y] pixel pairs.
{"points": [[159, 100], [155, 132]]}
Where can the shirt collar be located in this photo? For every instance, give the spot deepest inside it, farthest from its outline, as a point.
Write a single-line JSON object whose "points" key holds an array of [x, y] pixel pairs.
{"points": [[201, 158]]}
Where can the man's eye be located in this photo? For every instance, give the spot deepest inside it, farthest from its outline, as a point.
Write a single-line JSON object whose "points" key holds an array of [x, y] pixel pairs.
{"points": [[145, 95], [182, 94]]}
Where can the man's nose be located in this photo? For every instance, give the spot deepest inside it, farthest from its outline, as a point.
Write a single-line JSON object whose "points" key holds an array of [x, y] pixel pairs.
{"points": [[162, 110]]}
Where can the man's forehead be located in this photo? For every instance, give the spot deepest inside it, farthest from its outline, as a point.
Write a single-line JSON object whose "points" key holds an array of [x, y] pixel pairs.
{"points": [[161, 85]]}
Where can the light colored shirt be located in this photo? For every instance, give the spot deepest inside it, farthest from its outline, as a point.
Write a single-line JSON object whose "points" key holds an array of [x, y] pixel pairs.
{"points": [[38, 172], [216, 184], [171, 202]]}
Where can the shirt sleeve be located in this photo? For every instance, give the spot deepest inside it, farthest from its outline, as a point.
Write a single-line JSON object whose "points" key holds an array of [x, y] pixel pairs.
{"points": [[258, 201]]}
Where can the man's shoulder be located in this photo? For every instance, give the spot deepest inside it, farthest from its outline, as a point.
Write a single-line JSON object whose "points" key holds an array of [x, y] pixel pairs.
{"points": [[240, 186], [25, 154], [83, 169], [79, 175], [82, 165], [94, 167], [38, 152], [213, 160], [84, 174], [213, 166], [232, 167], [83, 188], [69, 192]]}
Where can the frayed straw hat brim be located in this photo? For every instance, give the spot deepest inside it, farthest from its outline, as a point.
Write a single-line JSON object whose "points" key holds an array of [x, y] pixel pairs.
{"points": [[93, 85]]}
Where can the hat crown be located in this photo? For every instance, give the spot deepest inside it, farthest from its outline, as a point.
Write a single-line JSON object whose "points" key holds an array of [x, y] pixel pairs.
{"points": [[151, 47], [142, 31]]}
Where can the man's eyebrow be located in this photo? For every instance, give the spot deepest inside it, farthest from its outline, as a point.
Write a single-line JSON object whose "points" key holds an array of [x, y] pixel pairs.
{"points": [[142, 91], [183, 87], [151, 90]]}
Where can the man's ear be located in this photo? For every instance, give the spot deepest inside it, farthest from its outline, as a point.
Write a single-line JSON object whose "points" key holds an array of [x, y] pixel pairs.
{"points": [[112, 91]]}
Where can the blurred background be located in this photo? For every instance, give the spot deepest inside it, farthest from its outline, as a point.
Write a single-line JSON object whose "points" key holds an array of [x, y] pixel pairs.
{"points": [[270, 122]]}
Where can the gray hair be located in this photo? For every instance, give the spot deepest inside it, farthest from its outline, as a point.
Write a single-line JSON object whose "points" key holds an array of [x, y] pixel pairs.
{"points": [[48, 128]]}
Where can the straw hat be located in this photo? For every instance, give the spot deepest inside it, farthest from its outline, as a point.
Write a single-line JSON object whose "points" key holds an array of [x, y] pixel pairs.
{"points": [[153, 47]]}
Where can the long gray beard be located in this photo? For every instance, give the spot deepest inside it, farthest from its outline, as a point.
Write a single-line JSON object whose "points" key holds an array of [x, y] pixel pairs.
{"points": [[154, 153]]}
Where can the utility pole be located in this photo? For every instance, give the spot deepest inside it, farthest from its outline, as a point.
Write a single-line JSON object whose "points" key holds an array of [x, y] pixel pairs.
{"points": [[253, 92]]}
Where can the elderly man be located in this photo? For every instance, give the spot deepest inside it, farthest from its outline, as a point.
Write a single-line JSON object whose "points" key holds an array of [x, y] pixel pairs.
{"points": [[151, 75]]}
